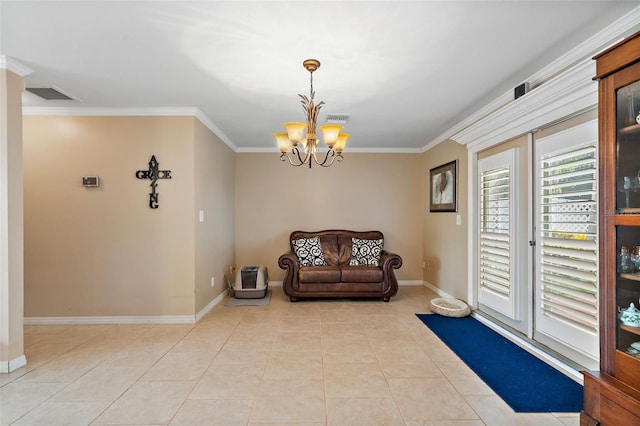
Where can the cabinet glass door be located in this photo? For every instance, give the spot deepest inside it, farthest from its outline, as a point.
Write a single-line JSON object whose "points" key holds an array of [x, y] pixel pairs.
{"points": [[628, 203], [628, 169]]}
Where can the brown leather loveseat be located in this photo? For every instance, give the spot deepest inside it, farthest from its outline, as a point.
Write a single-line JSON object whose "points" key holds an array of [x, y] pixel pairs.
{"points": [[339, 264]]}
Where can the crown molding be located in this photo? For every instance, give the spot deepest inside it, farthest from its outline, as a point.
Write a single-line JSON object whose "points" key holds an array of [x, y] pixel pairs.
{"points": [[215, 129], [610, 35], [60, 110], [263, 150], [14, 66], [574, 90], [195, 112], [491, 107], [159, 112]]}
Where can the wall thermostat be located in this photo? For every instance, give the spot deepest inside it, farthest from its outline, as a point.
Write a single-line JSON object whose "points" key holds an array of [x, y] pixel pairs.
{"points": [[90, 180]]}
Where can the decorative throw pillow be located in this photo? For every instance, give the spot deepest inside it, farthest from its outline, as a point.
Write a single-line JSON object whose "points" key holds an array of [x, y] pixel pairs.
{"points": [[309, 251], [365, 252]]}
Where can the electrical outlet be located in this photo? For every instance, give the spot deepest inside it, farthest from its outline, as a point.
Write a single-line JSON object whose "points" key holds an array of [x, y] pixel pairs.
{"points": [[213, 281]]}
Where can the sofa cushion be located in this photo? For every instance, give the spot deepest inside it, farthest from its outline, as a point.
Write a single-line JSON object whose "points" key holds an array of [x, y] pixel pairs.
{"points": [[329, 245], [344, 244], [319, 274], [365, 252], [362, 274], [309, 251]]}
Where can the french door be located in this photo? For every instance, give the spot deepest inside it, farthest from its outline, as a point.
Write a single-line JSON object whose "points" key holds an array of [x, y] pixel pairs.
{"points": [[566, 250], [502, 281], [537, 243]]}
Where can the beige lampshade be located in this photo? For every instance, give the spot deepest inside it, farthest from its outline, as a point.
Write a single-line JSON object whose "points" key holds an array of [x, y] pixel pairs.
{"points": [[284, 144], [342, 142], [303, 142], [295, 131], [330, 133]]}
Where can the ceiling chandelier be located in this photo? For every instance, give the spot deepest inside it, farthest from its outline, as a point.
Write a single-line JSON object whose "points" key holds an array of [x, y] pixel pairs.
{"points": [[294, 137]]}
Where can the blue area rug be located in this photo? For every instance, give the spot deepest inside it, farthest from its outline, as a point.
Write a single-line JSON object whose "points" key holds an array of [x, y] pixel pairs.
{"points": [[523, 381]]}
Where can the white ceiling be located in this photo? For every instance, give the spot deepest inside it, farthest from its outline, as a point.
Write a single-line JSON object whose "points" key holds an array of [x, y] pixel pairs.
{"points": [[406, 72]]}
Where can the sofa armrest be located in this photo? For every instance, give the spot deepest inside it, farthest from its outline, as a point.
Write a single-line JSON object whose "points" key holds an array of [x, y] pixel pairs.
{"points": [[289, 262], [389, 260]]}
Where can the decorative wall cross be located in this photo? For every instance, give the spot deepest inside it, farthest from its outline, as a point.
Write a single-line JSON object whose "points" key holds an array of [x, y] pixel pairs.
{"points": [[154, 174]]}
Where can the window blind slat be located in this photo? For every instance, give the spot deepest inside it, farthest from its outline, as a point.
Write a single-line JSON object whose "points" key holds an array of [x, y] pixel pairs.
{"points": [[575, 244], [589, 256], [582, 296]]}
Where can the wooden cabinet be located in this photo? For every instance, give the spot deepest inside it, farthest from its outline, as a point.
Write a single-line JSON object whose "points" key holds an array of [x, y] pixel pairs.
{"points": [[612, 395]]}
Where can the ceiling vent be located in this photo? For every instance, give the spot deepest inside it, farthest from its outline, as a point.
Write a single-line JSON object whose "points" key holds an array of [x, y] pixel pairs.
{"points": [[338, 118], [49, 93]]}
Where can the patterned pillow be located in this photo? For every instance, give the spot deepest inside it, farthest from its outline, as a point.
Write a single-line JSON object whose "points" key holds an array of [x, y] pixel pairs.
{"points": [[309, 251], [365, 252]]}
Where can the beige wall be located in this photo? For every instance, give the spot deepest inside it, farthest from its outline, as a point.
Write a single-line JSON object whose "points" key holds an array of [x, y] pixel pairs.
{"points": [[11, 221], [444, 242], [366, 191], [103, 251], [214, 195]]}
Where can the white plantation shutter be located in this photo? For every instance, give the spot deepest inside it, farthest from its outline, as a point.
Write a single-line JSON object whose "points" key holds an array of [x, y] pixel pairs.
{"points": [[494, 230], [566, 250], [568, 236], [497, 182]]}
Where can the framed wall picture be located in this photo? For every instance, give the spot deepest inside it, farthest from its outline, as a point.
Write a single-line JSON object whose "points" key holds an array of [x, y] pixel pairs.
{"points": [[443, 181]]}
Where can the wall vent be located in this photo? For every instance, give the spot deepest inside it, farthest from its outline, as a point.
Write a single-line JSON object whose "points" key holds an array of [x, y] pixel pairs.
{"points": [[338, 118], [49, 93]]}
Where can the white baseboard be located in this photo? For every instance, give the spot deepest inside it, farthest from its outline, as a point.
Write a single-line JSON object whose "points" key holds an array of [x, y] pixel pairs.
{"points": [[204, 311], [437, 290], [13, 365], [165, 319], [410, 282], [168, 319], [161, 319]]}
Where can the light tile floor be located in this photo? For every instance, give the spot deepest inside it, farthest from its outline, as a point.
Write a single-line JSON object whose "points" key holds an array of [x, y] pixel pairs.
{"points": [[307, 363]]}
